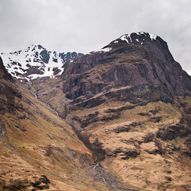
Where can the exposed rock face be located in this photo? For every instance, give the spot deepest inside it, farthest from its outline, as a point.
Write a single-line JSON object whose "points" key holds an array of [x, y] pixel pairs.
{"points": [[7, 90], [133, 61], [38, 149], [128, 103], [40, 183], [3, 72]]}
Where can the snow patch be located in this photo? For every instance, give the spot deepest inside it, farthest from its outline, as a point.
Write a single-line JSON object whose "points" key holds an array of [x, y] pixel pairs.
{"points": [[106, 49], [125, 38], [153, 36], [143, 35], [19, 62]]}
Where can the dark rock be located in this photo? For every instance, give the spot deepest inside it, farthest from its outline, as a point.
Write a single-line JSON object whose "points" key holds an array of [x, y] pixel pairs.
{"points": [[95, 117], [56, 71], [135, 65], [156, 119], [3, 72], [34, 70], [126, 128], [66, 57], [2, 130], [45, 56], [98, 152], [122, 129], [122, 108], [172, 132], [42, 183], [126, 154], [17, 185], [130, 154], [149, 137]]}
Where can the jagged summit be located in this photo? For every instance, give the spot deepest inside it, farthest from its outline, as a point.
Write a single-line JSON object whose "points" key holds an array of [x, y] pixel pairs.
{"points": [[153, 45], [135, 38], [36, 61], [131, 60]]}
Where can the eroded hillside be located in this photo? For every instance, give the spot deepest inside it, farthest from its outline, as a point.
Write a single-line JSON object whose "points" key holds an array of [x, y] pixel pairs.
{"points": [[39, 150], [117, 119], [131, 105]]}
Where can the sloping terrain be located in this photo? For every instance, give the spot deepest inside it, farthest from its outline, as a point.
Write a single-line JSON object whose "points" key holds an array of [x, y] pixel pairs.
{"points": [[49, 91], [116, 119], [39, 150], [131, 105]]}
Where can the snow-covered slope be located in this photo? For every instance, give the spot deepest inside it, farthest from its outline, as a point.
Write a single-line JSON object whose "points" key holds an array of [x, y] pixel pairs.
{"points": [[36, 61]]}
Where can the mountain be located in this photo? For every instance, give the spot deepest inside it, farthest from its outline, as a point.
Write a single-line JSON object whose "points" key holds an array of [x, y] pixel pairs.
{"points": [[36, 62], [130, 104], [124, 117], [38, 149], [134, 60]]}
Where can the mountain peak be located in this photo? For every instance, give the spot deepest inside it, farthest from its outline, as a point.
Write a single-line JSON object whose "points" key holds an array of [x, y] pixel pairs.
{"points": [[36, 61], [35, 47], [133, 60], [138, 37], [135, 38]]}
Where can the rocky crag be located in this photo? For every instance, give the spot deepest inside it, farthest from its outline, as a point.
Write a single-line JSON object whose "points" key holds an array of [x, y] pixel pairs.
{"points": [[129, 105]]}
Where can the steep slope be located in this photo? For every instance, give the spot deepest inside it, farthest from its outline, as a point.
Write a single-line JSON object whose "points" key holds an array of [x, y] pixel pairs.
{"points": [[39, 150], [141, 61], [49, 91], [130, 104], [36, 62]]}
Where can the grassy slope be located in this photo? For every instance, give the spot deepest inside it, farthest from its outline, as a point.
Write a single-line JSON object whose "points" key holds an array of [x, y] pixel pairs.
{"points": [[157, 166], [37, 142]]}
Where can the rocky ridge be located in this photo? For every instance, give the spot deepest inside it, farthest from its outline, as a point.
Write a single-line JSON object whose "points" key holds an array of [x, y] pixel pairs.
{"points": [[130, 103], [135, 60], [36, 62]]}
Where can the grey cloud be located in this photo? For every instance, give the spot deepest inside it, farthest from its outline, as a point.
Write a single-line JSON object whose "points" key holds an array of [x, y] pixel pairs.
{"points": [[86, 25]]}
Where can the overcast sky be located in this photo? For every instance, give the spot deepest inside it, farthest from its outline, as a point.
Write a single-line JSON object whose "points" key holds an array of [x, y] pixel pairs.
{"points": [[86, 25]]}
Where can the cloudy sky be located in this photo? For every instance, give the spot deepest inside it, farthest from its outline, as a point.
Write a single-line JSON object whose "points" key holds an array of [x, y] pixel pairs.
{"points": [[86, 25]]}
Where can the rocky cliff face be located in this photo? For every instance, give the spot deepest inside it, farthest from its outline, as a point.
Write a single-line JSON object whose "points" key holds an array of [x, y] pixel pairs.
{"points": [[3, 72], [130, 104], [135, 60], [7, 90]]}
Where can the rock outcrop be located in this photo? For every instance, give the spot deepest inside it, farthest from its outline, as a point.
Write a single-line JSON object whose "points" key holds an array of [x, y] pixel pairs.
{"points": [[3, 72], [135, 62], [129, 102]]}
